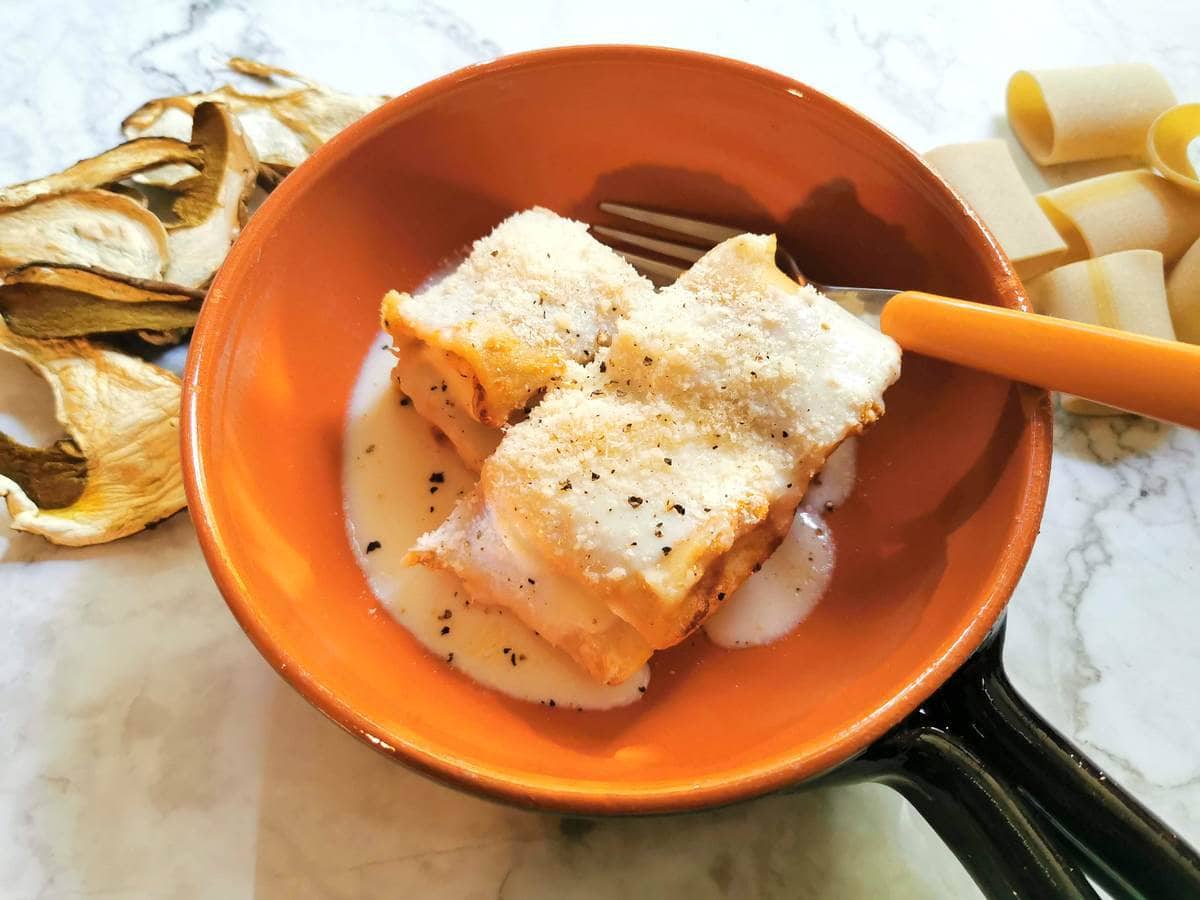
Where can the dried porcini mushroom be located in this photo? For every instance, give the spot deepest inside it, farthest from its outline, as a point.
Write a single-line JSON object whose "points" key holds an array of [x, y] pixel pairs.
{"points": [[122, 417], [86, 228], [132, 191], [266, 71], [163, 338], [270, 177], [80, 252], [211, 209], [110, 166], [46, 301], [283, 125], [51, 478], [314, 112]]}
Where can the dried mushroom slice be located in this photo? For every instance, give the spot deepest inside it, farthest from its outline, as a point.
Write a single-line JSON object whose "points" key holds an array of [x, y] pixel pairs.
{"points": [[316, 113], [212, 206], [56, 301], [86, 228], [246, 66], [163, 338], [52, 478], [270, 177], [112, 165], [132, 191], [283, 124], [271, 138], [122, 416]]}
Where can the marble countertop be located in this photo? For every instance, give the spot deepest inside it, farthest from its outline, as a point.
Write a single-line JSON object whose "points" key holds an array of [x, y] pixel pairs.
{"points": [[150, 752]]}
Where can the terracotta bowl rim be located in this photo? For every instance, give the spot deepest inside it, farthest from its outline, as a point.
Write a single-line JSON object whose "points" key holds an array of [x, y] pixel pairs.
{"points": [[558, 794]]}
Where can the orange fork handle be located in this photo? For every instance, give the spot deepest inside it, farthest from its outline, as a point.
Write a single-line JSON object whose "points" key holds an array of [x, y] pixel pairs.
{"points": [[1144, 375]]}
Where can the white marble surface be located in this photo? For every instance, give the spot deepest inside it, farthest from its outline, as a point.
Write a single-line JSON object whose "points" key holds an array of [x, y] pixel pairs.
{"points": [[149, 752]]}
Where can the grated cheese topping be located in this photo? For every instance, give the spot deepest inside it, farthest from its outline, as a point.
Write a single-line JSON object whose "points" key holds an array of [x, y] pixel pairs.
{"points": [[661, 473], [535, 294]]}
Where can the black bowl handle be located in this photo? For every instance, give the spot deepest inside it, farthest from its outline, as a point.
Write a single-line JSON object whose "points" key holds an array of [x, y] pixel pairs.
{"points": [[1024, 810]]}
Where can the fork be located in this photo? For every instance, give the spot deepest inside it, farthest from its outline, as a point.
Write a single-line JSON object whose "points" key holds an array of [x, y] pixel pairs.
{"points": [[1143, 375]]}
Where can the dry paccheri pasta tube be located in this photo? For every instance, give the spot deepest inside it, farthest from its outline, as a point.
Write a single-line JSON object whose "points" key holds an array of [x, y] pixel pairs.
{"points": [[87, 228], [1123, 211], [1121, 290], [119, 469], [1088, 112], [283, 125], [477, 348], [655, 479], [1183, 296], [1171, 135], [985, 174]]}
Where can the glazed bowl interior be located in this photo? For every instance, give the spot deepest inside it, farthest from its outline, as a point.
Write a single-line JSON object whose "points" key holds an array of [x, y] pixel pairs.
{"points": [[951, 481]]}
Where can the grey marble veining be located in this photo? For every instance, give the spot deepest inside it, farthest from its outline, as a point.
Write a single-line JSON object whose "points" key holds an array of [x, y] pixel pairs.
{"points": [[149, 751]]}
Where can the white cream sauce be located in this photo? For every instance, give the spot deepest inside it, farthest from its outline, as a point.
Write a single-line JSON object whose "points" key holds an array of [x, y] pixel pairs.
{"points": [[780, 595], [392, 495]]}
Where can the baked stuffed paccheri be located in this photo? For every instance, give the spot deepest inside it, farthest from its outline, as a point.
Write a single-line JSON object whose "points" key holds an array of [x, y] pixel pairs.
{"points": [[650, 482]]}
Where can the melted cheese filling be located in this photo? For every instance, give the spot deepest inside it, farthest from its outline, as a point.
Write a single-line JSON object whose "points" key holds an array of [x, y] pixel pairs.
{"points": [[441, 393]]}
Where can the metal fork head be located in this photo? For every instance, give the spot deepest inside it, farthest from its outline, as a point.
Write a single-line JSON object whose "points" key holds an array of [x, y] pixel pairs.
{"points": [[703, 236], [866, 303]]}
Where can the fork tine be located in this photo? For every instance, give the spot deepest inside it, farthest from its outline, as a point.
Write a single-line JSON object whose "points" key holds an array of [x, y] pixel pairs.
{"points": [[666, 248], [693, 228], [653, 267]]}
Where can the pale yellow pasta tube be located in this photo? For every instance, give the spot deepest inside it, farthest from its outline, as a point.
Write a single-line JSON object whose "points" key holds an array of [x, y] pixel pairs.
{"points": [[985, 174], [1122, 290], [1123, 211], [1183, 296], [1167, 144], [1089, 112]]}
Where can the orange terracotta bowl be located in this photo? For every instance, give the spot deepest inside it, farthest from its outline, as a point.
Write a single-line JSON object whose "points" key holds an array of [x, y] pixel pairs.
{"points": [[952, 481]]}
